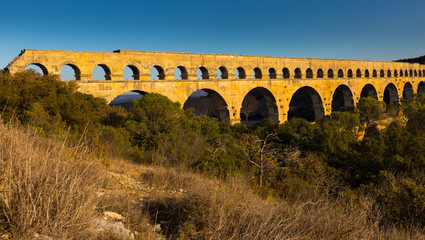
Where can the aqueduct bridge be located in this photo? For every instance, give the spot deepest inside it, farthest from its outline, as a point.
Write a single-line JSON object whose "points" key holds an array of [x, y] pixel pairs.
{"points": [[243, 88]]}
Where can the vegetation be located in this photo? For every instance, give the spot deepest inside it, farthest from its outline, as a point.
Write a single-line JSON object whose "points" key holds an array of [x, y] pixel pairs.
{"points": [[357, 173]]}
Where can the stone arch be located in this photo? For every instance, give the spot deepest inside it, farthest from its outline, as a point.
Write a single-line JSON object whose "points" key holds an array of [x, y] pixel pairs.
{"points": [[401, 73], [126, 98], [272, 73], [259, 103], [75, 69], [407, 91], [222, 73], [342, 98], [406, 73], [105, 69], [410, 73], [349, 73], [319, 73], [369, 91], [180, 73], [340, 73], [358, 73], [208, 102], [330, 73], [366, 73], [389, 73], [43, 68], [420, 73], [202, 73], [391, 94], [421, 87], [256, 73], [423, 73], [306, 103], [381, 73], [415, 73], [135, 73], [157, 73], [285, 73], [374, 73], [309, 73], [240, 73], [297, 73], [395, 73]]}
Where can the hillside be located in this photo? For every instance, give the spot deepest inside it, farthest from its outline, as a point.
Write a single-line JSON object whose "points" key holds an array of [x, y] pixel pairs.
{"points": [[420, 60]]}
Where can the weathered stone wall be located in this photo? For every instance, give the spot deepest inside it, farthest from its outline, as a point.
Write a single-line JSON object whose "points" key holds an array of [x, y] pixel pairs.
{"points": [[232, 90]]}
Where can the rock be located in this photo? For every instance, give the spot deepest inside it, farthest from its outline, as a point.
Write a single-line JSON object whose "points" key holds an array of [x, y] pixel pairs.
{"points": [[116, 228], [113, 216]]}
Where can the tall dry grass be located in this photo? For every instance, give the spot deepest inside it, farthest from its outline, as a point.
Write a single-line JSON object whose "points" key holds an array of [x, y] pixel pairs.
{"points": [[45, 187]]}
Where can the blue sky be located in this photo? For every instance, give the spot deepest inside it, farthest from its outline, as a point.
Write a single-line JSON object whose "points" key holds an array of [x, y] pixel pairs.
{"points": [[364, 30]]}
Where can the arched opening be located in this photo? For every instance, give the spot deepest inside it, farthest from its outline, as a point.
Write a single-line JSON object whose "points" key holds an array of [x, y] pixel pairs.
{"points": [[70, 72], [401, 73], [349, 73], [369, 91], [415, 73], [408, 91], [101, 72], [319, 73], [306, 103], [406, 73], [389, 73], [411, 73], [309, 73], [391, 94], [342, 98], [374, 73], [222, 73], [126, 98], [423, 73], [330, 73], [240, 73], [272, 73], [180, 73], [297, 73], [207, 102], [421, 87], [258, 104], [285, 73], [366, 73], [202, 73], [256, 73], [39, 68], [358, 73], [395, 73], [381, 74], [420, 73], [340, 73], [157, 73], [131, 72]]}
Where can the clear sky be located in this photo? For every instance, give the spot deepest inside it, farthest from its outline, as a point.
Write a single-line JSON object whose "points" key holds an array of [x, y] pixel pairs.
{"points": [[339, 29]]}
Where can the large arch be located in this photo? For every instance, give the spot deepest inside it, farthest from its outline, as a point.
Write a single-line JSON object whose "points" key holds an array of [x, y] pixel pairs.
{"points": [[407, 91], [131, 72], [70, 72], [97, 71], [342, 98], [207, 102], [259, 103], [369, 91], [421, 87], [391, 94], [126, 98], [43, 70], [306, 103]]}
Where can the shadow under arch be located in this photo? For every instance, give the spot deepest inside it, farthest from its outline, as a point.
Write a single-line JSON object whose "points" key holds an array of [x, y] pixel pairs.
{"points": [[258, 104], [408, 91], [43, 68], [65, 74], [207, 102], [391, 94], [369, 91], [342, 98], [126, 98], [421, 87], [306, 103]]}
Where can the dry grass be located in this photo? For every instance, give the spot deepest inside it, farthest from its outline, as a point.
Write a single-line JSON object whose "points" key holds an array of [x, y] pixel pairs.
{"points": [[45, 188]]}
